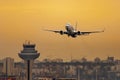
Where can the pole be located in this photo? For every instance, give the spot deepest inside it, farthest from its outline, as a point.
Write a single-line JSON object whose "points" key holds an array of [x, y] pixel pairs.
{"points": [[28, 71], [78, 74], [6, 69], [96, 74]]}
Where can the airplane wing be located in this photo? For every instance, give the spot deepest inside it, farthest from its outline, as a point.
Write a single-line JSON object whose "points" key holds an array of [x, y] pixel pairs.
{"points": [[57, 31], [84, 33]]}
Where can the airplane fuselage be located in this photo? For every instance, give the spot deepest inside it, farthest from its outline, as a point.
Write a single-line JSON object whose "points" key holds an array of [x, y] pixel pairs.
{"points": [[70, 30]]}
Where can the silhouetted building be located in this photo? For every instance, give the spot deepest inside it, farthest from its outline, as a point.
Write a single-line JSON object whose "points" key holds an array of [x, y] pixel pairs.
{"points": [[8, 66]]}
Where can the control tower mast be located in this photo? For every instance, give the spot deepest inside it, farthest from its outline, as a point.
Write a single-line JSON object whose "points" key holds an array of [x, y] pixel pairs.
{"points": [[29, 54]]}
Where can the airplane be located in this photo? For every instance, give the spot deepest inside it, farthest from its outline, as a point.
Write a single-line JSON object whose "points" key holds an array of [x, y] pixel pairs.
{"points": [[70, 31]]}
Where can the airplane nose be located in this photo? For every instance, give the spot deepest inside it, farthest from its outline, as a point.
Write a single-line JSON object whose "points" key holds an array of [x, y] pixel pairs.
{"points": [[66, 27], [67, 24]]}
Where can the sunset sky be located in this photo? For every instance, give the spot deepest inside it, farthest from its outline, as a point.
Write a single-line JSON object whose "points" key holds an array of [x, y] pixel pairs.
{"points": [[22, 20]]}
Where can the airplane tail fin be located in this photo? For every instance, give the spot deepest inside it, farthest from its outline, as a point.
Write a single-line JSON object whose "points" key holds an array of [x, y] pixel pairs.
{"points": [[76, 26]]}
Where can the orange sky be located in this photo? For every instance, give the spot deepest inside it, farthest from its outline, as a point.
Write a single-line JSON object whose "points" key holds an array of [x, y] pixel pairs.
{"points": [[22, 20]]}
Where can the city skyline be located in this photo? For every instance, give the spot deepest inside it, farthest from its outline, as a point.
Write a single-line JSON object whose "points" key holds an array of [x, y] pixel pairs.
{"points": [[108, 69], [25, 20], [83, 59]]}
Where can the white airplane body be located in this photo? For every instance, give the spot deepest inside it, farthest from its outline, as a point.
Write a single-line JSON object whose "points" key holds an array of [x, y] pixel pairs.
{"points": [[70, 31]]}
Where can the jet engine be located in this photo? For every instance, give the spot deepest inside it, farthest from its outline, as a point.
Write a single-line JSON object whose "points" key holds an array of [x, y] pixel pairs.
{"points": [[61, 32], [79, 32]]}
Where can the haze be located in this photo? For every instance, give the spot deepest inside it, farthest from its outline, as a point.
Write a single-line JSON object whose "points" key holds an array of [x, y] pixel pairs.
{"points": [[22, 20]]}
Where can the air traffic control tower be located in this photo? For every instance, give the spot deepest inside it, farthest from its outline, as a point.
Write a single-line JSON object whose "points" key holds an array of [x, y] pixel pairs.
{"points": [[29, 54]]}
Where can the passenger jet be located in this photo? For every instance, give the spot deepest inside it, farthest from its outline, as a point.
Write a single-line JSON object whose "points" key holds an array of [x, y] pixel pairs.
{"points": [[70, 31]]}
